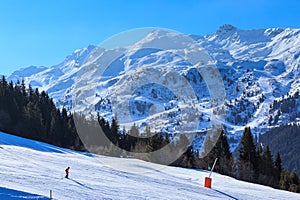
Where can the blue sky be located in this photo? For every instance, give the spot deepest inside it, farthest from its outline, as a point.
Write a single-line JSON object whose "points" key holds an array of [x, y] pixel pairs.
{"points": [[43, 32]]}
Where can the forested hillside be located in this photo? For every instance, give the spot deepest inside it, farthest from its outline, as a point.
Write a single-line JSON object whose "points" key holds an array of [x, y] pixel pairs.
{"points": [[285, 139], [29, 113], [32, 114]]}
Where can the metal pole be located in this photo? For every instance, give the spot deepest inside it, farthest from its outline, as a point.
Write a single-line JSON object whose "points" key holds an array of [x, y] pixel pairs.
{"points": [[212, 169], [50, 194]]}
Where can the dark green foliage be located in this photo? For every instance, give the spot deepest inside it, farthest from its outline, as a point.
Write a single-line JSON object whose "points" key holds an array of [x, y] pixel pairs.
{"points": [[248, 160], [259, 166], [248, 149], [125, 143], [225, 163], [285, 139], [220, 150], [278, 166], [156, 142], [278, 163], [267, 172], [188, 157], [268, 166], [294, 185], [191, 159], [289, 181], [31, 114]]}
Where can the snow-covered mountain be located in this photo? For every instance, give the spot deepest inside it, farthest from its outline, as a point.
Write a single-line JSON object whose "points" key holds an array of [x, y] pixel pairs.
{"points": [[143, 82], [26, 72], [30, 169]]}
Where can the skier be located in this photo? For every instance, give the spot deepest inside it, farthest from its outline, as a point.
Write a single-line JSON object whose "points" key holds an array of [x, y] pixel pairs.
{"points": [[67, 172]]}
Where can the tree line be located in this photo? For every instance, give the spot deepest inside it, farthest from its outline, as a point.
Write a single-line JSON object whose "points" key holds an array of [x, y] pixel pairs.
{"points": [[285, 139], [255, 163], [31, 114]]}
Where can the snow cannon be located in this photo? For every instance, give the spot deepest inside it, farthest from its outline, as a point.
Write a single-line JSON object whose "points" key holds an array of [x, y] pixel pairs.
{"points": [[208, 180]]}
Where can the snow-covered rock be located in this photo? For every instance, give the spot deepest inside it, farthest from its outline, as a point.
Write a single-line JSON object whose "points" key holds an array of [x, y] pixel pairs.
{"points": [[259, 68]]}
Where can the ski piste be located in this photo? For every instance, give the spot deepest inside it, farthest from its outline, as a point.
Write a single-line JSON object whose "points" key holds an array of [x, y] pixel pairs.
{"points": [[31, 169]]}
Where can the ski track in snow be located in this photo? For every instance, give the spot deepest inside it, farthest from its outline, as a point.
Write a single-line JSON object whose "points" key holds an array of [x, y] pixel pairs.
{"points": [[30, 169]]}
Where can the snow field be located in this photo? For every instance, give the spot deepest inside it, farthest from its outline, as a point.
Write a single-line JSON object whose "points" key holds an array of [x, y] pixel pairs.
{"points": [[30, 169]]}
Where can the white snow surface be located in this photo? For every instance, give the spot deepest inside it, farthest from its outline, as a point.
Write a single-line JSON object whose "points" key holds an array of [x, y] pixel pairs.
{"points": [[30, 169]]}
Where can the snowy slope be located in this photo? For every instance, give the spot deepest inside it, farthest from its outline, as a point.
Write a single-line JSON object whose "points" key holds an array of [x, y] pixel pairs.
{"points": [[26, 72], [30, 169], [258, 68]]}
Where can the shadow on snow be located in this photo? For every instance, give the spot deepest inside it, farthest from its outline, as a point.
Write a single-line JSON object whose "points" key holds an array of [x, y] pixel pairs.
{"points": [[10, 194]]}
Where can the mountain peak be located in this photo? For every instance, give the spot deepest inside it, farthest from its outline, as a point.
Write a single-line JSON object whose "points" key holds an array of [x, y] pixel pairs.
{"points": [[25, 72], [226, 28]]}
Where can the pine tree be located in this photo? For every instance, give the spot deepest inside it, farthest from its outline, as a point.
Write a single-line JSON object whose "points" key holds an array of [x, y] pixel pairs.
{"points": [[185, 151], [134, 131], [220, 150], [266, 169], [225, 158], [23, 88], [155, 143], [294, 185], [148, 131], [132, 138], [188, 158], [269, 167], [248, 166], [247, 151], [284, 180], [114, 131], [3, 83], [278, 167]]}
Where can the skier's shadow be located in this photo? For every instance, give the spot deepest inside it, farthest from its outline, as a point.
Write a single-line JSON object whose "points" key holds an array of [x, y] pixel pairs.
{"points": [[81, 184], [223, 193]]}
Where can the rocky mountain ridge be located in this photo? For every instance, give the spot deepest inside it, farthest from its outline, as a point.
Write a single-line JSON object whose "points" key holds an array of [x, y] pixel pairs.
{"points": [[259, 71]]}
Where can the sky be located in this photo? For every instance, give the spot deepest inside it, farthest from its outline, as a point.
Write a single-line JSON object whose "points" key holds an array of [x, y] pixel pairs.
{"points": [[44, 32]]}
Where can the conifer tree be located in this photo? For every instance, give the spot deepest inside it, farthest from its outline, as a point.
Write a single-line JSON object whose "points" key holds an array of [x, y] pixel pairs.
{"points": [[247, 151], [268, 162], [294, 182], [220, 150], [248, 166], [185, 151], [278, 166], [114, 130], [225, 158]]}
